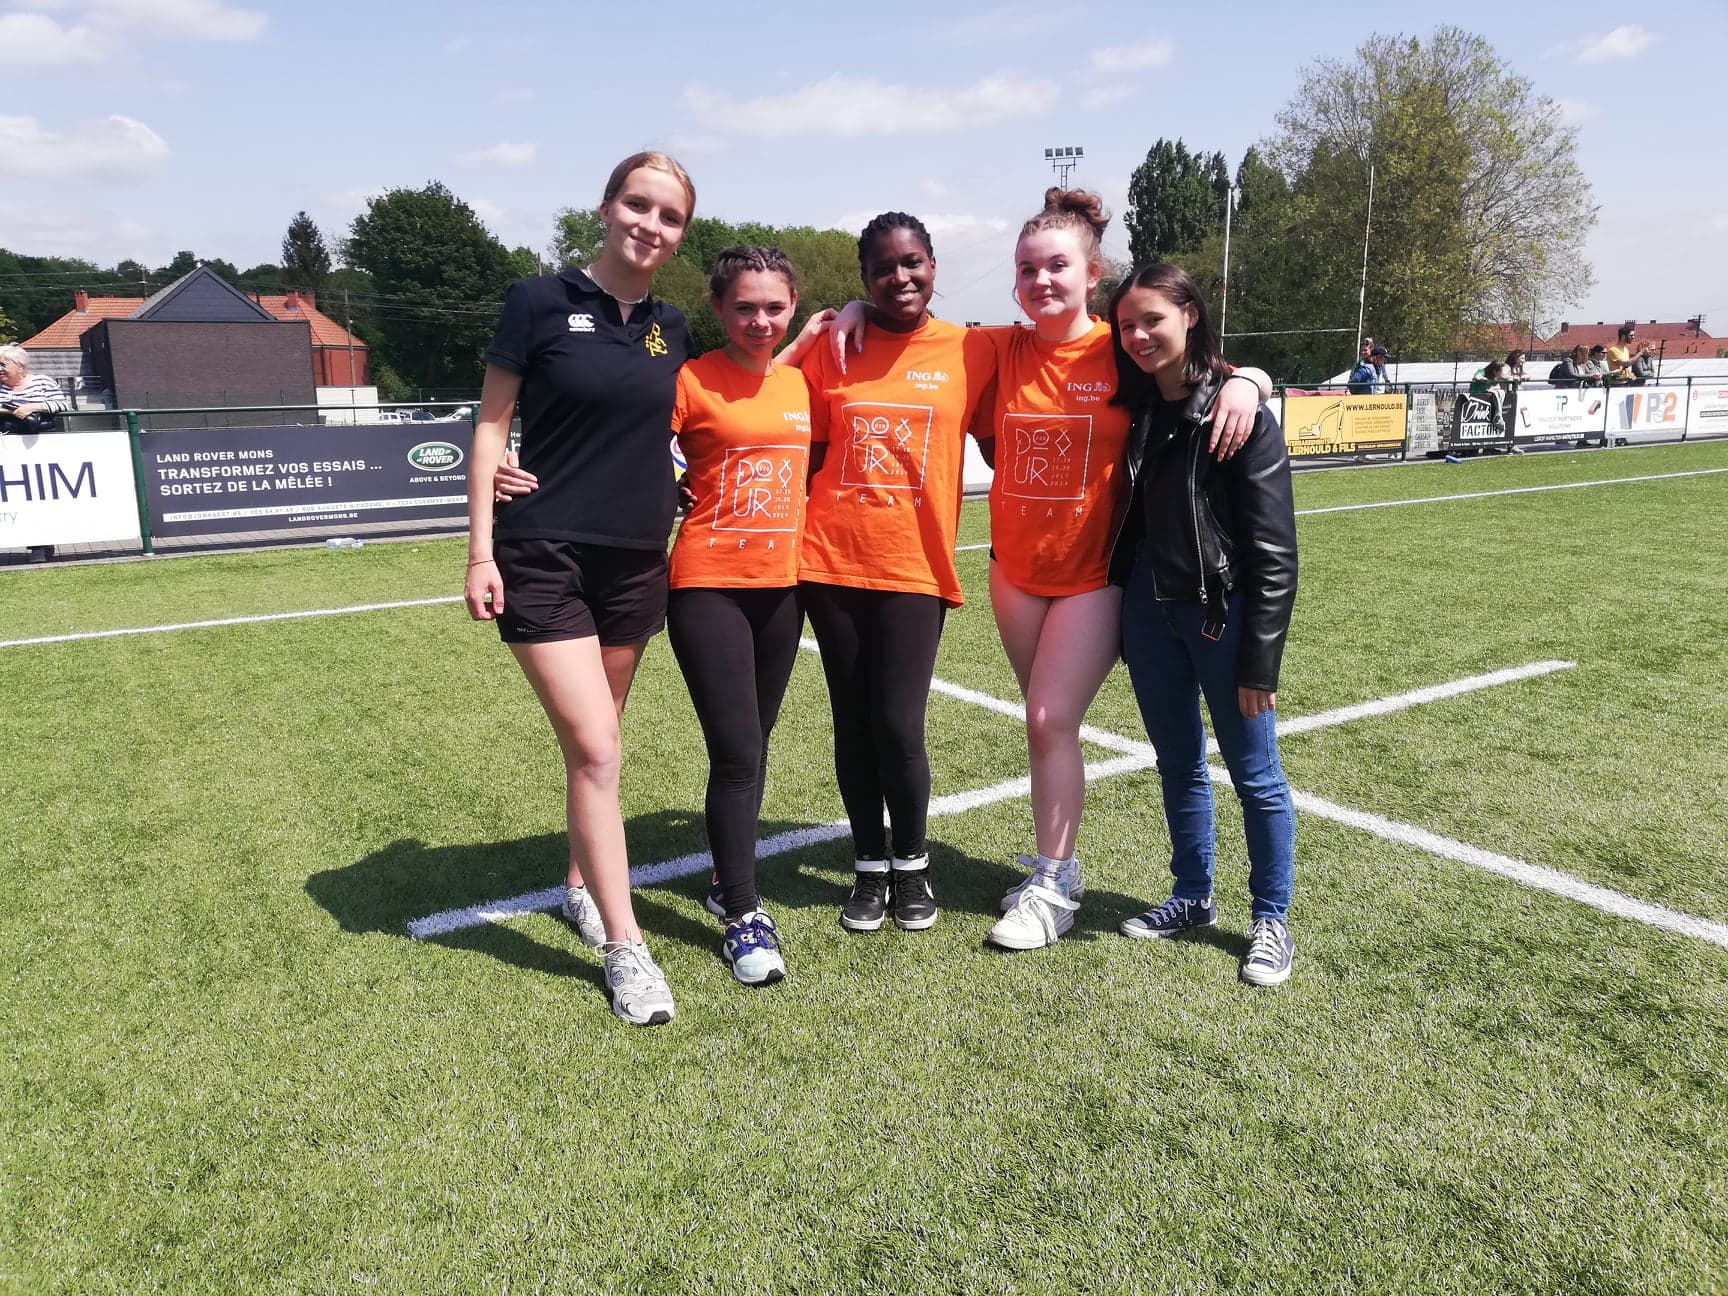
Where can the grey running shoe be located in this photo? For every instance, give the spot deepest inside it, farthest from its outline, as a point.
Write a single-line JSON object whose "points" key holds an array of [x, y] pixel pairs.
{"points": [[1174, 915], [1270, 954], [639, 991], [580, 911], [1070, 883]]}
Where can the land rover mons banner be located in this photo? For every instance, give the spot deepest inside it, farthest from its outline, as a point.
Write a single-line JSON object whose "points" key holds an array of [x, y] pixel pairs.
{"points": [[66, 488], [205, 482], [1340, 424]]}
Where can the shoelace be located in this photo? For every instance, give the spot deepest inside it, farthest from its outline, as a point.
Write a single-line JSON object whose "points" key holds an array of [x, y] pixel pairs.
{"points": [[636, 967], [1169, 911], [1265, 941], [1039, 905], [758, 933]]}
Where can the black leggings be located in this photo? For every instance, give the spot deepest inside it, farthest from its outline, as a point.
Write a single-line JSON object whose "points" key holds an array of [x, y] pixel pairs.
{"points": [[736, 648], [879, 652]]}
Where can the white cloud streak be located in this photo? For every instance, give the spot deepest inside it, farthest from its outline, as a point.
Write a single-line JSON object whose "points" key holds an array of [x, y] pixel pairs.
{"points": [[504, 154], [1010, 22], [1624, 42], [1106, 96], [1134, 58], [102, 31], [113, 148], [843, 105]]}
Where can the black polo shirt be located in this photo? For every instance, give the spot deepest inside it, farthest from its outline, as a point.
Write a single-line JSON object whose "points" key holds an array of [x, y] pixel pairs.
{"points": [[596, 405]]}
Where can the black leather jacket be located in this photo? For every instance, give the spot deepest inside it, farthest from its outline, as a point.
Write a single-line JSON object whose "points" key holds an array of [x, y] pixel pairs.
{"points": [[1238, 525]]}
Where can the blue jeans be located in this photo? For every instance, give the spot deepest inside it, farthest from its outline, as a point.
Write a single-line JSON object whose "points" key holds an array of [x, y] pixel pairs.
{"points": [[1171, 664]]}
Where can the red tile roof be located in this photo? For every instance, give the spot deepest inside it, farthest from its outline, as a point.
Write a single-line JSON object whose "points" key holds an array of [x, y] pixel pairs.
{"points": [[65, 331], [1677, 341]]}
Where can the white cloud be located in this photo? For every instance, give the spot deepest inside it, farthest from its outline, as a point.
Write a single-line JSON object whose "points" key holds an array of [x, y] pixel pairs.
{"points": [[1717, 225], [952, 225], [458, 44], [932, 188], [487, 210], [208, 20], [72, 231], [519, 95], [1134, 58], [505, 154], [1573, 111], [114, 148], [50, 44], [1106, 96], [103, 30], [1009, 22], [686, 145], [843, 105], [1624, 42]]}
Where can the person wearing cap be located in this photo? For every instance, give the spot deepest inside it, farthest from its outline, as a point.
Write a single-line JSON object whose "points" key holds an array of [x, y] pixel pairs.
{"points": [[1368, 378]]}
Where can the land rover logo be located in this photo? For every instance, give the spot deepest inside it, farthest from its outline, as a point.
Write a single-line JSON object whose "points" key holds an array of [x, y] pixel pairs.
{"points": [[435, 456]]}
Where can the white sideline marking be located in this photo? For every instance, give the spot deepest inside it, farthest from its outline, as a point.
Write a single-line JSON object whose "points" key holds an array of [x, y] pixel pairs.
{"points": [[1133, 756], [972, 548], [1515, 490], [1537, 876], [231, 621]]}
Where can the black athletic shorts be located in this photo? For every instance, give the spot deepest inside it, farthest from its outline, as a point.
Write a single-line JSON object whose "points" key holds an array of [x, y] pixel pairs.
{"points": [[556, 589]]}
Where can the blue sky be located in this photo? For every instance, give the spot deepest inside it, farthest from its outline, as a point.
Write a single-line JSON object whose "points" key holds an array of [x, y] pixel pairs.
{"points": [[135, 128]]}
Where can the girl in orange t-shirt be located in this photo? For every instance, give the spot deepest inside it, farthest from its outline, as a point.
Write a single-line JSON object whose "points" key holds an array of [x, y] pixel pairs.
{"points": [[877, 573], [1059, 450], [743, 422]]}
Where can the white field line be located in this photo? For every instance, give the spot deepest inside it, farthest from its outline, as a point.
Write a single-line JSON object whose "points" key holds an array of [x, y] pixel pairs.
{"points": [[231, 621], [1515, 490], [1134, 756], [971, 548], [1537, 876]]}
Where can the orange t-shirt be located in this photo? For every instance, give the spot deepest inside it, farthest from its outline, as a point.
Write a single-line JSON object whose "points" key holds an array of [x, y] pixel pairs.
{"points": [[1061, 483], [746, 438], [885, 507]]}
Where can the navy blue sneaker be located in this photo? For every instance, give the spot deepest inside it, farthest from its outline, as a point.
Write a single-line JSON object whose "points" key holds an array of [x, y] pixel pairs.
{"points": [[1174, 915], [715, 901], [1271, 951], [752, 948]]}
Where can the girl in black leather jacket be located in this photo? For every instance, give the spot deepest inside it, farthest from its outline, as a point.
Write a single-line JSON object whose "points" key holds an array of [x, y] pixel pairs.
{"points": [[1208, 557]]}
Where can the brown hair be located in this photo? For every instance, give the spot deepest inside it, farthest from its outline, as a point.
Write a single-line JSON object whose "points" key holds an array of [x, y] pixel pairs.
{"points": [[1077, 210], [731, 262], [1204, 357], [652, 162]]}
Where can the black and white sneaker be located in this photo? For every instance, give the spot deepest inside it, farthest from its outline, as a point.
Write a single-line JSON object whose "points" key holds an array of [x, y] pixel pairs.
{"points": [[867, 906], [1174, 915], [914, 902], [1271, 952]]}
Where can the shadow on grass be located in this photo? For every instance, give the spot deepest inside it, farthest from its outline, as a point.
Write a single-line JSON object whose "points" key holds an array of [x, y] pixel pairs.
{"points": [[408, 880]]}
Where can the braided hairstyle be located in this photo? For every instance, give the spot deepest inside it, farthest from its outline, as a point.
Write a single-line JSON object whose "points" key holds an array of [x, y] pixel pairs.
{"points": [[884, 223], [731, 262]]}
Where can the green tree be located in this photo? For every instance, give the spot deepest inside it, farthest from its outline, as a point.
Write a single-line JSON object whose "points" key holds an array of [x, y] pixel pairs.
{"points": [[1175, 201], [438, 275], [305, 258], [577, 235], [8, 330], [1480, 208]]}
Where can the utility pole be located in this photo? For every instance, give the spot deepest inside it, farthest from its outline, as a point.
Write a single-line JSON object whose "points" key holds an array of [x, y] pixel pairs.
{"points": [[1224, 292], [1367, 228]]}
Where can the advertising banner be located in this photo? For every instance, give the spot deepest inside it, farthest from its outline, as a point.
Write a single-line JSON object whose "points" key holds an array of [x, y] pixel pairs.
{"points": [[1642, 414], [1345, 425], [1547, 417], [1423, 427], [1478, 421], [66, 488], [205, 482], [1707, 414]]}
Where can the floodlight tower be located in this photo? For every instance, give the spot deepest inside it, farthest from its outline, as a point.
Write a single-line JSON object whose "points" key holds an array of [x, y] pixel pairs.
{"points": [[1063, 160]]}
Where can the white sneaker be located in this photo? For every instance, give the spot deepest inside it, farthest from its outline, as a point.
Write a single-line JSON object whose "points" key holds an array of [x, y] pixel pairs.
{"points": [[1068, 880], [640, 994], [580, 911], [1039, 917]]}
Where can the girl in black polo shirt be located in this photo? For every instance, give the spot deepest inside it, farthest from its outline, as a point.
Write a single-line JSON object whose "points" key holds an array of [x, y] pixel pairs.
{"points": [[575, 573]]}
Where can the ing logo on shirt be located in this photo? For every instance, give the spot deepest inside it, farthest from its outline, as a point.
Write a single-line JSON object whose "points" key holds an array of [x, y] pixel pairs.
{"points": [[654, 342], [761, 488], [1051, 455], [888, 446]]}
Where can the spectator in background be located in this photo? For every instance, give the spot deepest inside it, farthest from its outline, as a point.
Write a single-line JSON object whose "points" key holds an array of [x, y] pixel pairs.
{"points": [[1644, 365], [1368, 378], [1574, 370], [1620, 355], [1515, 366], [21, 395], [1598, 363]]}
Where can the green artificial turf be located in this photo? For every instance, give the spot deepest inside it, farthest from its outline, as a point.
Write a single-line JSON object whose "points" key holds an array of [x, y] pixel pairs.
{"points": [[227, 1068]]}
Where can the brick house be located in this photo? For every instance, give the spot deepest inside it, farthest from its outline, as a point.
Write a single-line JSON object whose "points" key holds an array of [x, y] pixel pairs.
{"points": [[211, 355]]}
